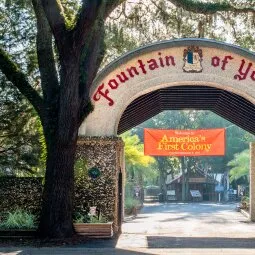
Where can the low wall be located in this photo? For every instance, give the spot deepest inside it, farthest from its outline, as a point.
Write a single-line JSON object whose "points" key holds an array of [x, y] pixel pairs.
{"points": [[20, 193], [26, 193], [103, 192]]}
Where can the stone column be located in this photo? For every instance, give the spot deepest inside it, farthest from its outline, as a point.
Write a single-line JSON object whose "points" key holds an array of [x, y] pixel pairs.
{"points": [[106, 154], [252, 181]]}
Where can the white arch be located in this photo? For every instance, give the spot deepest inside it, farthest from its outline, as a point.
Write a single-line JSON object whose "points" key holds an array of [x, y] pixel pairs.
{"points": [[221, 64]]}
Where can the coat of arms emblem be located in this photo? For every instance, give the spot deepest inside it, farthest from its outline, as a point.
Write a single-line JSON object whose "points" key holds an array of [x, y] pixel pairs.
{"points": [[192, 58]]}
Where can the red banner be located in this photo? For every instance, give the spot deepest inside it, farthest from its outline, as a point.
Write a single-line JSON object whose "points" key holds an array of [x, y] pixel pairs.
{"points": [[203, 142]]}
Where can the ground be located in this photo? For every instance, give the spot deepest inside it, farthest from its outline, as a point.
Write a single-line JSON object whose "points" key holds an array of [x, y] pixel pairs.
{"points": [[176, 228]]}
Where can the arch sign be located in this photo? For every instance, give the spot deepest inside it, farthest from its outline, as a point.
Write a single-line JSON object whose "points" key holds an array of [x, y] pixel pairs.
{"points": [[170, 63], [184, 62]]}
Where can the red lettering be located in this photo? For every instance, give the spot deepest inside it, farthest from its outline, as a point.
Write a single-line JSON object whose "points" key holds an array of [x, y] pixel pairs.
{"points": [[113, 84], [243, 74], [225, 61], [215, 61], [142, 65], [104, 94], [161, 60], [132, 71], [168, 58], [153, 64], [253, 76], [122, 77]]}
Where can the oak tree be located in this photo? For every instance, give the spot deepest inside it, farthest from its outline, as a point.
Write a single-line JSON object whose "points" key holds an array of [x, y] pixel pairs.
{"points": [[70, 49]]}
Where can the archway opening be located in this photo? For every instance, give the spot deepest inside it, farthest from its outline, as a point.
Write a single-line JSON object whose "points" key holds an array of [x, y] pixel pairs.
{"points": [[144, 82], [230, 106], [226, 104]]}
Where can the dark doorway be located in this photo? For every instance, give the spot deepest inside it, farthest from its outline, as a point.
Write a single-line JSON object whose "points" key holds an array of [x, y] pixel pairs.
{"points": [[120, 201]]}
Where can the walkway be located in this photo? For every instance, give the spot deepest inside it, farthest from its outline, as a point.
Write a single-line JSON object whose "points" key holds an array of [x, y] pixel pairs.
{"points": [[181, 229]]}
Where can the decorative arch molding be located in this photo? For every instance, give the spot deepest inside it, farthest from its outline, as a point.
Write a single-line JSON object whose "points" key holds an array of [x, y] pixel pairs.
{"points": [[185, 63]]}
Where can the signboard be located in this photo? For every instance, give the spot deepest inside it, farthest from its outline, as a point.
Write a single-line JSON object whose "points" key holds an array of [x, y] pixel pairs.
{"points": [[170, 192], [195, 193], [94, 172], [197, 180], [93, 210], [219, 188], [204, 142]]}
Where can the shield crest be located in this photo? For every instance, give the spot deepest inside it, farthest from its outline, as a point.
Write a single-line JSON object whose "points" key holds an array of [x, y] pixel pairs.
{"points": [[192, 57]]}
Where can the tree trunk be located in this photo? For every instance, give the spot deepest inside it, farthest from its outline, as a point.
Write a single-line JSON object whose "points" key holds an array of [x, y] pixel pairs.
{"points": [[61, 138], [162, 176], [162, 181], [183, 179], [57, 206]]}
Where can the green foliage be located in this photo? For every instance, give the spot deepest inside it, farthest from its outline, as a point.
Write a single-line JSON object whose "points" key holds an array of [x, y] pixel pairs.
{"points": [[85, 218], [237, 139], [101, 219], [131, 204], [23, 193], [22, 144], [18, 219], [71, 8], [134, 151], [138, 166], [204, 7], [92, 192], [137, 23], [245, 203], [80, 218], [240, 165], [80, 169], [43, 147]]}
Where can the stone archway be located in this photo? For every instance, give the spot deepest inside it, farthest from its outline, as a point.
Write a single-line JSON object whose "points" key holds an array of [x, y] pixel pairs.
{"points": [[122, 88], [163, 65]]}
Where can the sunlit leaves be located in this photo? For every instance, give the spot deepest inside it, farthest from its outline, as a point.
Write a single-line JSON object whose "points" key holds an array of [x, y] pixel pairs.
{"points": [[134, 154], [240, 165]]}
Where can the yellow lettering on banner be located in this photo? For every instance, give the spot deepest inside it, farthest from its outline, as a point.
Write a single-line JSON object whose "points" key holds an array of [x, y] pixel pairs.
{"points": [[209, 146], [183, 146], [167, 147], [164, 139], [189, 143], [160, 146], [195, 147]]}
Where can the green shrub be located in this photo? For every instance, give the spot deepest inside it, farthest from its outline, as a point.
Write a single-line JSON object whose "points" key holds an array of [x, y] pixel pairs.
{"points": [[245, 199], [245, 203], [131, 204], [18, 219], [101, 219], [81, 218]]}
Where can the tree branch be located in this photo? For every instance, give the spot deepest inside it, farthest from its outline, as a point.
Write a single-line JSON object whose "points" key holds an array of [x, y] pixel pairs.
{"points": [[45, 55], [55, 16], [87, 19], [91, 58], [111, 5], [90, 11], [209, 8], [18, 79]]}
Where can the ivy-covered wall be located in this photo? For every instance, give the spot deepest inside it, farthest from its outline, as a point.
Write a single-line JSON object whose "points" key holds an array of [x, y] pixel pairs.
{"points": [[20, 193], [106, 154], [26, 193]]}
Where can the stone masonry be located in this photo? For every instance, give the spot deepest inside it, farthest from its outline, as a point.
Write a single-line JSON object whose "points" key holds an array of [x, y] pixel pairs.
{"points": [[107, 154]]}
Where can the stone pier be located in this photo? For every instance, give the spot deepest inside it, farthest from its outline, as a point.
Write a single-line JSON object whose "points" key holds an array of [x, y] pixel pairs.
{"points": [[106, 154], [252, 181]]}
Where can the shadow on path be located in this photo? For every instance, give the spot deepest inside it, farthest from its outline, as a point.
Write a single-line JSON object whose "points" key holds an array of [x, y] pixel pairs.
{"points": [[199, 242], [68, 251]]}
